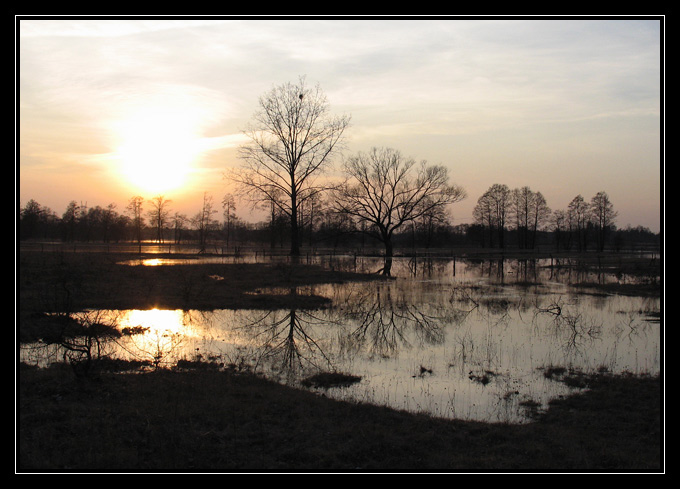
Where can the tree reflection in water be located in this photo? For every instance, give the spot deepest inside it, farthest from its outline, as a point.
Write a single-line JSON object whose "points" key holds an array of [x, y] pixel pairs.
{"points": [[381, 321], [286, 343], [373, 320]]}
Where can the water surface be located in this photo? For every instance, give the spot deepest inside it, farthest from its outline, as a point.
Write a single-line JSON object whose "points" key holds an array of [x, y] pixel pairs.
{"points": [[451, 338]]}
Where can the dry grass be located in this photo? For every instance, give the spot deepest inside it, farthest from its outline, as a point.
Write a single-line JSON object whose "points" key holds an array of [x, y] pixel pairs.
{"points": [[204, 420], [74, 281]]}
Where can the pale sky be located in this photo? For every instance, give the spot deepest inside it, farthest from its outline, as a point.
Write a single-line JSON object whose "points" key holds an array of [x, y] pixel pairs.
{"points": [[564, 106]]}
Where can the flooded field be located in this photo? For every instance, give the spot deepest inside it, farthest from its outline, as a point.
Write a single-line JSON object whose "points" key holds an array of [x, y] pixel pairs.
{"points": [[481, 340]]}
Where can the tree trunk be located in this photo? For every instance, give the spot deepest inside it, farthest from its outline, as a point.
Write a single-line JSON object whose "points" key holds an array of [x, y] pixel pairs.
{"points": [[294, 230], [389, 252]]}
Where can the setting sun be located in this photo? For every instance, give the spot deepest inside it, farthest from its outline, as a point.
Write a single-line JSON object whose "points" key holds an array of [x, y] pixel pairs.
{"points": [[156, 151]]}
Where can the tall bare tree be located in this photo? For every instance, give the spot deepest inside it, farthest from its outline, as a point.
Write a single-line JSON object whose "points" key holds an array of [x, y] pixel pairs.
{"points": [[204, 221], [492, 209], [386, 190], [134, 209], [559, 221], [540, 215], [158, 215], [531, 212], [229, 214], [603, 216], [577, 212], [178, 222], [292, 140]]}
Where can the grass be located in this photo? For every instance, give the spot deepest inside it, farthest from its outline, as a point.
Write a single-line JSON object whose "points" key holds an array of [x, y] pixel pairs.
{"points": [[204, 420], [76, 281]]}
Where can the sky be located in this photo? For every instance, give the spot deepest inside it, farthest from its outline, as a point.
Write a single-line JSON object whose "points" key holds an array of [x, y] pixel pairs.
{"points": [[110, 108]]}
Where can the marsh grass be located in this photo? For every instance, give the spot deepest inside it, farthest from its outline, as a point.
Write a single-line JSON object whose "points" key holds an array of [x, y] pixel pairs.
{"points": [[326, 380], [211, 420], [66, 282]]}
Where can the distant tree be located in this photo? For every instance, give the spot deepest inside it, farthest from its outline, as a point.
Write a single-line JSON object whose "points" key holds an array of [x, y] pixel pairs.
{"points": [[120, 228], [578, 215], [520, 201], [493, 209], [539, 216], [179, 222], [560, 225], [531, 212], [93, 224], [35, 221], [135, 208], [485, 218], [83, 223], [335, 228], [204, 221], [603, 217], [109, 216], [427, 225], [69, 221], [309, 215], [292, 141], [386, 190], [159, 214], [229, 214]]}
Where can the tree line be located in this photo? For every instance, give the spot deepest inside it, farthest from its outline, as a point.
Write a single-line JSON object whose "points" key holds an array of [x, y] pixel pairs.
{"points": [[383, 196], [525, 211], [216, 224]]}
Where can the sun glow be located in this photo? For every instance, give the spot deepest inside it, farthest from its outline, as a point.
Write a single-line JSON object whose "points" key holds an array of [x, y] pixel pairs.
{"points": [[157, 151], [157, 320]]}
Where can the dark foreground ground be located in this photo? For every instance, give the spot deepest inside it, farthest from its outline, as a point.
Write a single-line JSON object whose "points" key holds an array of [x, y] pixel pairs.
{"points": [[204, 420], [217, 421]]}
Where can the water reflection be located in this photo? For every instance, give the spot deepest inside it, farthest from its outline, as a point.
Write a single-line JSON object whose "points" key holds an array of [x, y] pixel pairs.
{"points": [[453, 339], [154, 335], [287, 344]]}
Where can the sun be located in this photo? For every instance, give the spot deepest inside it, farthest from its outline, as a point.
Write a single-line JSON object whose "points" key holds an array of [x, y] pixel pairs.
{"points": [[157, 151]]}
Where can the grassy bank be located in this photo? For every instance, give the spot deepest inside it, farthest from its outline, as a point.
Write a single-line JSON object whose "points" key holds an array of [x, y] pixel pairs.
{"points": [[75, 281], [217, 421]]}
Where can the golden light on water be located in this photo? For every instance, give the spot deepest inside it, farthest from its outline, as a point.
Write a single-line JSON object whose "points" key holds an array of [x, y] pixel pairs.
{"points": [[165, 338], [156, 320]]}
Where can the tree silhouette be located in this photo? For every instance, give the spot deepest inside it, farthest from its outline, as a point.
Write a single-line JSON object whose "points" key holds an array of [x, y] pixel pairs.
{"points": [[386, 190], [292, 141]]}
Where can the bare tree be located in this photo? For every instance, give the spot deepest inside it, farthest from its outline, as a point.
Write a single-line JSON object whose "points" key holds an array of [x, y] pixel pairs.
{"points": [[603, 216], [386, 190], [492, 209], [134, 209], [521, 202], [540, 215], [178, 223], [577, 213], [531, 212], [203, 221], [158, 215], [228, 212], [559, 223], [483, 215], [292, 141]]}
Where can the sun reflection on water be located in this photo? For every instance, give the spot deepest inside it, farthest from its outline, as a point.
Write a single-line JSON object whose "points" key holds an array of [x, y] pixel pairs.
{"points": [[158, 320]]}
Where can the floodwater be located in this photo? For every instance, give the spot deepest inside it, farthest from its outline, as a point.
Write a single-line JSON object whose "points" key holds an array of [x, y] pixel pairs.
{"points": [[450, 338]]}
